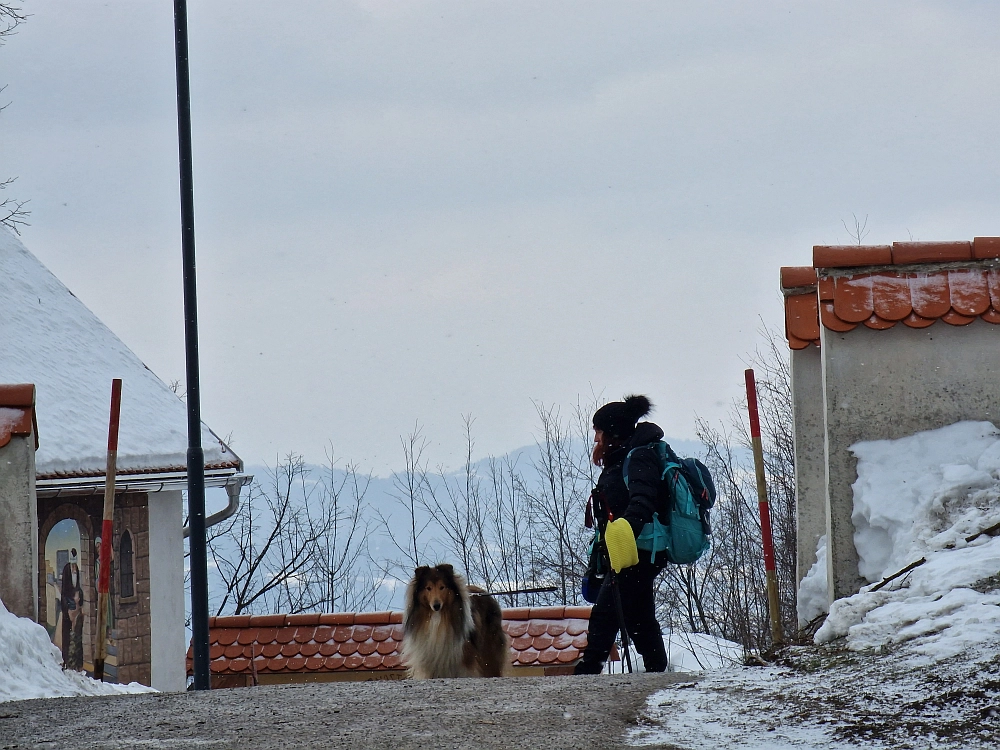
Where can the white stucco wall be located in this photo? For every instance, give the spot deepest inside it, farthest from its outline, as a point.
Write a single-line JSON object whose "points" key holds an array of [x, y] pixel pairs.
{"points": [[168, 643], [19, 527], [889, 384], [810, 455]]}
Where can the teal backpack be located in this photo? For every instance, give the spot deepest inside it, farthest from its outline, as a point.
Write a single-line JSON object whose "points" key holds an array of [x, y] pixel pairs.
{"points": [[690, 493]]}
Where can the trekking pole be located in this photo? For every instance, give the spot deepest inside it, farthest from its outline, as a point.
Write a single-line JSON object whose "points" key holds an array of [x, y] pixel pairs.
{"points": [[627, 658], [107, 528], [777, 636]]}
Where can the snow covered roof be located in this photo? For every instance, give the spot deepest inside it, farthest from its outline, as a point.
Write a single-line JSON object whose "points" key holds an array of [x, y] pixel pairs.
{"points": [[878, 286], [49, 338]]}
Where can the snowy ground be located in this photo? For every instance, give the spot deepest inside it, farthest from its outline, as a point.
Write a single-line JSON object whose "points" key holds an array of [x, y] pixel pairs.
{"points": [[30, 665], [914, 664]]}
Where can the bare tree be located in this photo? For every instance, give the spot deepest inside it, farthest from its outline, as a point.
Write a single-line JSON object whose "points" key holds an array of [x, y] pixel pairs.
{"points": [[724, 593], [295, 545], [860, 229], [13, 215]]}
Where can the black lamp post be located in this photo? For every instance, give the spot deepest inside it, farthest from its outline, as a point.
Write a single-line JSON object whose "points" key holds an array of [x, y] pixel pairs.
{"points": [[195, 452]]}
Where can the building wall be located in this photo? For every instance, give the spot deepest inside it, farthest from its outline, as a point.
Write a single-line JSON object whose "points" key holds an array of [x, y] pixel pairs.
{"points": [[889, 384], [810, 455], [168, 644], [18, 527]]}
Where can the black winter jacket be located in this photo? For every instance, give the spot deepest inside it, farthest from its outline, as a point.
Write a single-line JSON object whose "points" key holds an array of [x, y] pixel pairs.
{"points": [[638, 502]]}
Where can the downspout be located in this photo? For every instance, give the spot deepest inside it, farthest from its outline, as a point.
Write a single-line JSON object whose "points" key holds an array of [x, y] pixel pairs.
{"points": [[233, 487]]}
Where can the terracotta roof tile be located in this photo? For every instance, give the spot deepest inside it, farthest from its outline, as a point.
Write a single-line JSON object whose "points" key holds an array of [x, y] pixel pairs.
{"points": [[362, 632], [802, 317], [516, 629], [265, 621], [931, 252], [793, 277], [970, 292], [303, 619], [286, 635], [848, 256], [876, 323], [891, 296], [915, 321], [267, 635], [304, 634], [955, 319], [984, 248], [343, 633], [991, 316], [339, 618], [216, 652], [993, 282], [236, 621], [852, 300], [830, 320], [929, 294], [371, 618], [539, 636]]}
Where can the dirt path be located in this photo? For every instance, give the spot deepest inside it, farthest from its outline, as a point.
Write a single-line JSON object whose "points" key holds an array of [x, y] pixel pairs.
{"points": [[548, 713]]}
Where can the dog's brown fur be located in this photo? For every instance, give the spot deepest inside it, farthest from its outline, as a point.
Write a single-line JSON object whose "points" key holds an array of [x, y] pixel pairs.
{"points": [[450, 633]]}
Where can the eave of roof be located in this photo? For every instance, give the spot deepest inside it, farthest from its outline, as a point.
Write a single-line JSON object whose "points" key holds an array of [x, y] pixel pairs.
{"points": [[878, 286]]}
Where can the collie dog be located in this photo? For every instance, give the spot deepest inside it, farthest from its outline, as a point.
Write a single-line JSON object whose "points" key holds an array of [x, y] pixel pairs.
{"points": [[449, 632]]}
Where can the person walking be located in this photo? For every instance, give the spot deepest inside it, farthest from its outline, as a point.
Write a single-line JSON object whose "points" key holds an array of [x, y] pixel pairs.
{"points": [[616, 434]]}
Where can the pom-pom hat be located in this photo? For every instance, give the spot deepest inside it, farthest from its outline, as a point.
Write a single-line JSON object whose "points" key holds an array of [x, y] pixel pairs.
{"points": [[618, 418]]}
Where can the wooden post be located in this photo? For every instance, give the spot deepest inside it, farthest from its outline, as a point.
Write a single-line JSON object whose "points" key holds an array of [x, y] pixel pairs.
{"points": [[773, 607], [107, 530]]}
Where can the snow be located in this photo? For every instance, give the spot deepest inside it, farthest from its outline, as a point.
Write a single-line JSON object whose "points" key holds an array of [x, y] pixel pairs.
{"points": [[30, 666], [50, 338], [813, 597], [913, 664]]}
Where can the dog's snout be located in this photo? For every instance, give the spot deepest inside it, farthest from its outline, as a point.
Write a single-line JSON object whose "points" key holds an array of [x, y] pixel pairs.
{"points": [[437, 606]]}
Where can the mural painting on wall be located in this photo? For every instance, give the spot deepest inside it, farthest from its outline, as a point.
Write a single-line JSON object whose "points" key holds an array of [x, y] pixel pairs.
{"points": [[65, 585]]}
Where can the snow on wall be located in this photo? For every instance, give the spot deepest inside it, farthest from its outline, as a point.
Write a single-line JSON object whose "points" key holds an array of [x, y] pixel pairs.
{"points": [[920, 497], [30, 665], [48, 337]]}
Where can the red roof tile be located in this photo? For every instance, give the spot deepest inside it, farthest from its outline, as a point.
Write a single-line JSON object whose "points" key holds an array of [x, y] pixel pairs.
{"points": [[540, 636], [19, 398], [986, 247], [793, 277], [930, 252], [847, 256]]}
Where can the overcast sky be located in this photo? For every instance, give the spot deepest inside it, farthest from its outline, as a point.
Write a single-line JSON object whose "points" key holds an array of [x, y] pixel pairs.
{"points": [[416, 210]]}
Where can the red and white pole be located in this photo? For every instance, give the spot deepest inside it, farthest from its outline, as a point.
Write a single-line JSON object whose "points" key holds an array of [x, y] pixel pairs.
{"points": [[107, 529], [765, 511]]}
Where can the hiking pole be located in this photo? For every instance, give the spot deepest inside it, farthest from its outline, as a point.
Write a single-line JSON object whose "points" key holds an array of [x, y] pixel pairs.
{"points": [[627, 659], [107, 529], [777, 636]]}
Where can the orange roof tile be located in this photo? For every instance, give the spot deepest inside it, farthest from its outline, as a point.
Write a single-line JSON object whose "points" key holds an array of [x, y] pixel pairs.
{"points": [[370, 641], [19, 400], [793, 277], [921, 292]]}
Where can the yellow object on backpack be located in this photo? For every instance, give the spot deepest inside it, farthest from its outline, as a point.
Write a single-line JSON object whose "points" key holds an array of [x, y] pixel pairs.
{"points": [[620, 541]]}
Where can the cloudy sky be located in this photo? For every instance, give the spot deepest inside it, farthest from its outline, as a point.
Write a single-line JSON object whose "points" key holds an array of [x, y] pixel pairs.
{"points": [[411, 211]]}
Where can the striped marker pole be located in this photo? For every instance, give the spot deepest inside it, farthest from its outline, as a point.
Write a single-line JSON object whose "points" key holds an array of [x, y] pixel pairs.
{"points": [[107, 529], [765, 511]]}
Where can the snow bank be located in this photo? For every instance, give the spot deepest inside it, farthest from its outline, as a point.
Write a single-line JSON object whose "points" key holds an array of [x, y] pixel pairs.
{"points": [[698, 652], [30, 665], [813, 598], [920, 497]]}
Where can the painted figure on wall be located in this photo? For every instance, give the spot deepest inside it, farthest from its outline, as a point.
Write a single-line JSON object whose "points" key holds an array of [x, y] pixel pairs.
{"points": [[65, 591]]}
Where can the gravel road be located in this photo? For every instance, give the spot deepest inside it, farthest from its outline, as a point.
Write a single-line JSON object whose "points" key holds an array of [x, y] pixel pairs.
{"points": [[528, 712]]}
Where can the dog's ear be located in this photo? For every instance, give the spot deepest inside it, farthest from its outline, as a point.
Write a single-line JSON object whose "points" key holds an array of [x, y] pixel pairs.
{"points": [[446, 570]]}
